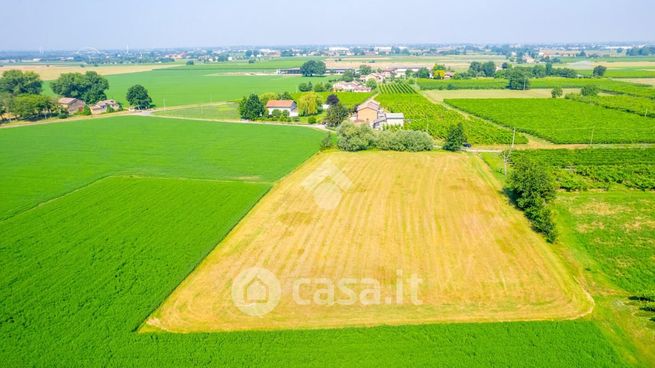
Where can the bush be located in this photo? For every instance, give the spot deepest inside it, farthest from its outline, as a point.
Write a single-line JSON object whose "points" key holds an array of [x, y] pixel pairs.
{"points": [[86, 110], [590, 90], [355, 138], [404, 140], [327, 142], [557, 92], [312, 120]]}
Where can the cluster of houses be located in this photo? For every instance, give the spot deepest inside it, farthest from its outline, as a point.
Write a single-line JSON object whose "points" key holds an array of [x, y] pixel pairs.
{"points": [[75, 105], [370, 113]]}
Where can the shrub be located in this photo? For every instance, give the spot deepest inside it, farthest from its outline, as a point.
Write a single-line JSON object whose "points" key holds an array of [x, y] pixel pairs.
{"points": [[355, 138], [312, 120], [557, 92], [327, 142], [590, 90], [404, 140]]}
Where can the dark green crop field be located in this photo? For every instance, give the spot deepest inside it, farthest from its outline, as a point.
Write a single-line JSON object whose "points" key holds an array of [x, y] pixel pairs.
{"points": [[42, 162], [563, 121]]}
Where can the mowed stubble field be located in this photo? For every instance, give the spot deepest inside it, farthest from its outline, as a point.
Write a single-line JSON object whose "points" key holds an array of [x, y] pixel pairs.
{"points": [[439, 216]]}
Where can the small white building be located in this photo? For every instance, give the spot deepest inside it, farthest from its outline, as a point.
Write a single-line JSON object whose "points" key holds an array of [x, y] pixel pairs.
{"points": [[102, 106], [282, 105], [388, 119], [350, 87]]}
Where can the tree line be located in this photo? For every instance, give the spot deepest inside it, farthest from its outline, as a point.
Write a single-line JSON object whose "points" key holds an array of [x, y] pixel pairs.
{"points": [[21, 94]]}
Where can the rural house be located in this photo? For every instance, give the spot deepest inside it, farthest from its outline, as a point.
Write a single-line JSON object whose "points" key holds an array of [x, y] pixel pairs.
{"points": [[72, 105], [102, 106], [282, 105], [368, 112], [350, 87]]}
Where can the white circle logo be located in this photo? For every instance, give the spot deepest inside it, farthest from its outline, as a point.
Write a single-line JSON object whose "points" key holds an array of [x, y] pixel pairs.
{"points": [[256, 291]]}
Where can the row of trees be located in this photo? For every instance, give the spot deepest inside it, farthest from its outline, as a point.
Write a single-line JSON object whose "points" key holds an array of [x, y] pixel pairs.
{"points": [[20, 96]]}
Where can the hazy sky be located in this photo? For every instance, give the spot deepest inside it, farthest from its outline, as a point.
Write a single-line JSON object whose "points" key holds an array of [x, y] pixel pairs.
{"points": [[74, 24]]}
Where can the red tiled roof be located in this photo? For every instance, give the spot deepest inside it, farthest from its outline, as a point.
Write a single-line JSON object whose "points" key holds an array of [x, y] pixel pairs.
{"points": [[280, 104]]}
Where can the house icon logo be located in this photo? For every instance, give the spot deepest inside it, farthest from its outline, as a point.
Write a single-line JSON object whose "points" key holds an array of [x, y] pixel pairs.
{"points": [[256, 291], [327, 183]]}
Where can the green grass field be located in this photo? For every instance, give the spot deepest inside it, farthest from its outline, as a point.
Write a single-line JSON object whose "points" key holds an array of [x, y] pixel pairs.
{"points": [[562, 121], [218, 111], [617, 230], [198, 85], [84, 151], [82, 271]]}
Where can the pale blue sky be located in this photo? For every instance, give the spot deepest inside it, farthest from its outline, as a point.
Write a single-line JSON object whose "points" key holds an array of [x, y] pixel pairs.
{"points": [[74, 24]]}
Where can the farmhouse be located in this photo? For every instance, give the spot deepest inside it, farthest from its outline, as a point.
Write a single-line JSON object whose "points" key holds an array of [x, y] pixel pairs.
{"points": [[350, 87], [282, 105], [368, 112], [102, 106], [72, 105]]}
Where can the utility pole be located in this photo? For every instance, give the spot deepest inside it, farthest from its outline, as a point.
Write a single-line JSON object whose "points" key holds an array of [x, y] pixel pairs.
{"points": [[513, 137]]}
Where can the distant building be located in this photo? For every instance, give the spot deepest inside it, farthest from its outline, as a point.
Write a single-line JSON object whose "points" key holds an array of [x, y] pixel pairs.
{"points": [[350, 87], [282, 105], [102, 106], [72, 105]]}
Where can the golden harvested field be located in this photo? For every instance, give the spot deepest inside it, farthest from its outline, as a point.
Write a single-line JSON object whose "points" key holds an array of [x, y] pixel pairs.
{"points": [[437, 216], [440, 95], [51, 72]]}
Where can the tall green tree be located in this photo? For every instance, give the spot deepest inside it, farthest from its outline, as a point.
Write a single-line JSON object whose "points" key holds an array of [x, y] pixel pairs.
{"points": [[17, 82], [519, 79], [313, 67], [599, 71], [557, 92], [532, 188], [365, 69], [138, 97], [251, 108], [335, 115], [31, 107], [89, 87], [455, 138], [489, 69], [309, 104]]}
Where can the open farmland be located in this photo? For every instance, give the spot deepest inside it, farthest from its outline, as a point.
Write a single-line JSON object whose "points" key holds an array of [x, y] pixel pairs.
{"points": [[83, 271], [606, 85], [562, 121], [348, 99], [422, 114], [216, 111], [398, 87], [460, 226], [476, 83], [54, 70], [84, 151], [617, 230], [639, 105], [198, 85], [440, 95], [597, 168]]}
